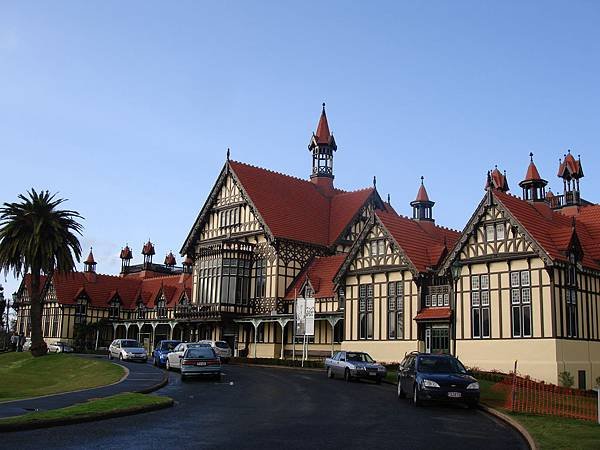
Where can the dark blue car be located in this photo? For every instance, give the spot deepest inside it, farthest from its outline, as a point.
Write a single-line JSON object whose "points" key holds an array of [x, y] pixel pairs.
{"points": [[423, 376], [162, 350]]}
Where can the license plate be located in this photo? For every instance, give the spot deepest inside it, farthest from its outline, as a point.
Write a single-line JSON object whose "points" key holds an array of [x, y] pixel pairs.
{"points": [[372, 374], [454, 394], [200, 363]]}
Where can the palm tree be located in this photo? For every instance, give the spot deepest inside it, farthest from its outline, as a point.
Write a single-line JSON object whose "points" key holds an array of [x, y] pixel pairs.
{"points": [[37, 237]]}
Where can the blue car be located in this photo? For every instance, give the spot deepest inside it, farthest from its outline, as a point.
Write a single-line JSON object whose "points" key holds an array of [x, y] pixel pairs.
{"points": [[162, 350]]}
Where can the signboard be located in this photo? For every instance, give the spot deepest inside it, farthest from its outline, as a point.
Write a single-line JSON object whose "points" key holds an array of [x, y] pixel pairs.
{"points": [[305, 317]]}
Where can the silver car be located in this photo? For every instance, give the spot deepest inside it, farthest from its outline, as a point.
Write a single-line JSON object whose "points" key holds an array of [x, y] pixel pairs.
{"points": [[221, 348], [60, 347], [127, 350], [174, 358], [352, 365], [200, 361]]}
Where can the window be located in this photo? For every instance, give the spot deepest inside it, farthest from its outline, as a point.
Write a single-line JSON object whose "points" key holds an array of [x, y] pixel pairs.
{"points": [[260, 269], [114, 309], [141, 311], [338, 331], [378, 247], [489, 233], [260, 333], [365, 311], [235, 281], [341, 298], [80, 310], [571, 300], [161, 308], [395, 310], [480, 306], [500, 231], [209, 277], [520, 299], [438, 296], [229, 217]]}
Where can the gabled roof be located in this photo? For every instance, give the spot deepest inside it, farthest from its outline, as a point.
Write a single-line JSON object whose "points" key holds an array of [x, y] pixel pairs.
{"points": [[320, 273], [323, 135], [426, 314], [570, 167], [424, 243]]}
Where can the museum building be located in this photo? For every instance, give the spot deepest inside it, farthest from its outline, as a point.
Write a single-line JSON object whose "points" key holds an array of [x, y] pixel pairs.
{"points": [[520, 282]]}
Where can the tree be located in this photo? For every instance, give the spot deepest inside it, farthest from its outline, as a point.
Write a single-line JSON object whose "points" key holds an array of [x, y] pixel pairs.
{"points": [[37, 237]]}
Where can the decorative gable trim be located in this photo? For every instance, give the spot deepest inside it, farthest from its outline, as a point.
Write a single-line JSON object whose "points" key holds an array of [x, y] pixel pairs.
{"points": [[206, 208], [486, 202], [373, 199]]}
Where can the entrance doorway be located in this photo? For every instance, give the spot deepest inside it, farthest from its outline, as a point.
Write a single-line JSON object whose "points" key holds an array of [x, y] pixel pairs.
{"points": [[437, 339]]}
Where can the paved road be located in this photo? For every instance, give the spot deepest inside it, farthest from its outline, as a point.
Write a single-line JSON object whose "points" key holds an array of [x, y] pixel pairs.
{"points": [[141, 377], [258, 408]]}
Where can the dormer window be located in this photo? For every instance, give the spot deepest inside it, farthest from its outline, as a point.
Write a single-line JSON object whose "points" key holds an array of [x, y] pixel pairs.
{"points": [[114, 309], [141, 311], [161, 308], [81, 310]]}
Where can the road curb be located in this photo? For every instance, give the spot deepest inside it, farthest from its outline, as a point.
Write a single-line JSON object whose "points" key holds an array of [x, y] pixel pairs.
{"points": [[155, 387], [512, 423], [101, 416]]}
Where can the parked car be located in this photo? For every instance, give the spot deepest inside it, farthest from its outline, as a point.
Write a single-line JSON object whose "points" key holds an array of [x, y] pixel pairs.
{"points": [[60, 347], [221, 348], [174, 358], [127, 349], [200, 361], [423, 376], [161, 351], [352, 365]]}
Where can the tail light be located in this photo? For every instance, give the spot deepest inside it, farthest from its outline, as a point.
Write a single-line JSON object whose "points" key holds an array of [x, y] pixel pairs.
{"points": [[193, 362]]}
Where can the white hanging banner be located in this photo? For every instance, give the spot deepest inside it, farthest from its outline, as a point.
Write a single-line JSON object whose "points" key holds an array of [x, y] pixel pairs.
{"points": [[309, 316]]}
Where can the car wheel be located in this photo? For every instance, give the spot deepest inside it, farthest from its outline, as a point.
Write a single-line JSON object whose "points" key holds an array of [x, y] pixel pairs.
{"points": [[109, 355], [416, 399], [329, 373], [168, 364], [347, 376], [120, 356], [401, 393]]}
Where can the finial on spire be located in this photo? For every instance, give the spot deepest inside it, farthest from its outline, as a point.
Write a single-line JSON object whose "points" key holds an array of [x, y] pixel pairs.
{"points": [[323, 107], [388, 199], [531, 156], [374, 182], [569, 150], [422, 178], [228, 153]]}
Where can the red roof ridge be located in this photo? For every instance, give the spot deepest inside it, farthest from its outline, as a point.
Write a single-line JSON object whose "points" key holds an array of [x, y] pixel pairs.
{"points": [[272, 171]]}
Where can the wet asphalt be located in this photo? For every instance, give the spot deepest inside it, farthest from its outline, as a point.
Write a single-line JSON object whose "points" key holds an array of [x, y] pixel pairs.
{"points": [[264, 408]]}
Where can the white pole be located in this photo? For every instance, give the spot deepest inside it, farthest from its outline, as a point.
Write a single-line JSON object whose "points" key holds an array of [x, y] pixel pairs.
{"points": [[294, 337], [97, 336]]}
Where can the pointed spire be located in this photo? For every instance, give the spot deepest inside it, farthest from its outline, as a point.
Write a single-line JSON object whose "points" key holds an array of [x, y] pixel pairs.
{"points": [[388, 199], [374, 182], [422, 193], [532, 172], [323, 134], [228, 153], [89, 264], [496, 180], [170, 260]]}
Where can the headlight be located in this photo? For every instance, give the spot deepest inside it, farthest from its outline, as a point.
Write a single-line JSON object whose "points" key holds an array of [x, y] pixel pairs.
{"points": [[474, 385], [430, 384]]}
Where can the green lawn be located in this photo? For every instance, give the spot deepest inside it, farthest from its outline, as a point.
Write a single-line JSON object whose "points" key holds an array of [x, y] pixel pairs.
{"points": [[121, 403], [25, 376], [549, 432]]}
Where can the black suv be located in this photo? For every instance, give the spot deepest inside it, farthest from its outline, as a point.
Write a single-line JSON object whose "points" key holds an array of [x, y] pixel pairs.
{"points": [[424, 376]]}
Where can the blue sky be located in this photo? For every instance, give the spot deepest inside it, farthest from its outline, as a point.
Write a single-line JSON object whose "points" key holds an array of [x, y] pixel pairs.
{"points": [[127, 108]]}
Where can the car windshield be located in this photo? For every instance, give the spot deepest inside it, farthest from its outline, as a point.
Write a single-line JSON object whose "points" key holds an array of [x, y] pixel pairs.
{"points": [[200, 353], [222, 344], [359, 357], [440, 365], [168, 345], [130, 343], [198, 345]]}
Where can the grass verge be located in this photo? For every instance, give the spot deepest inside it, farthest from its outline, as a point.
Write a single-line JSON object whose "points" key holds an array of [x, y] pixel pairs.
{"points": [[549, 432], [114, 406], [25, 376]]}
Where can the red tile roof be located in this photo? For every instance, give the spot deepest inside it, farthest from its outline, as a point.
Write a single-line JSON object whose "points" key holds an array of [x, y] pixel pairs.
{"points": [[496, 180], [553, 231], [320, 272], [532, 173], [170, 259], [422, 194], [101, 288], [90, 258], [148, 248], [434, 314], [126, 253], [424, 243], [296, 209], [570, 167]]}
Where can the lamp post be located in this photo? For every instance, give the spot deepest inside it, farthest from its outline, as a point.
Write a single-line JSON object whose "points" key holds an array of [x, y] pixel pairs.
{"points": [[455, 270]]}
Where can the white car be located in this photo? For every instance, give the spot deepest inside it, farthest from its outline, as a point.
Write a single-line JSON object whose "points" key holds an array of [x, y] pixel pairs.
{"points": [[60, 347], [127, 350], [174, 358], [221, 348]]}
